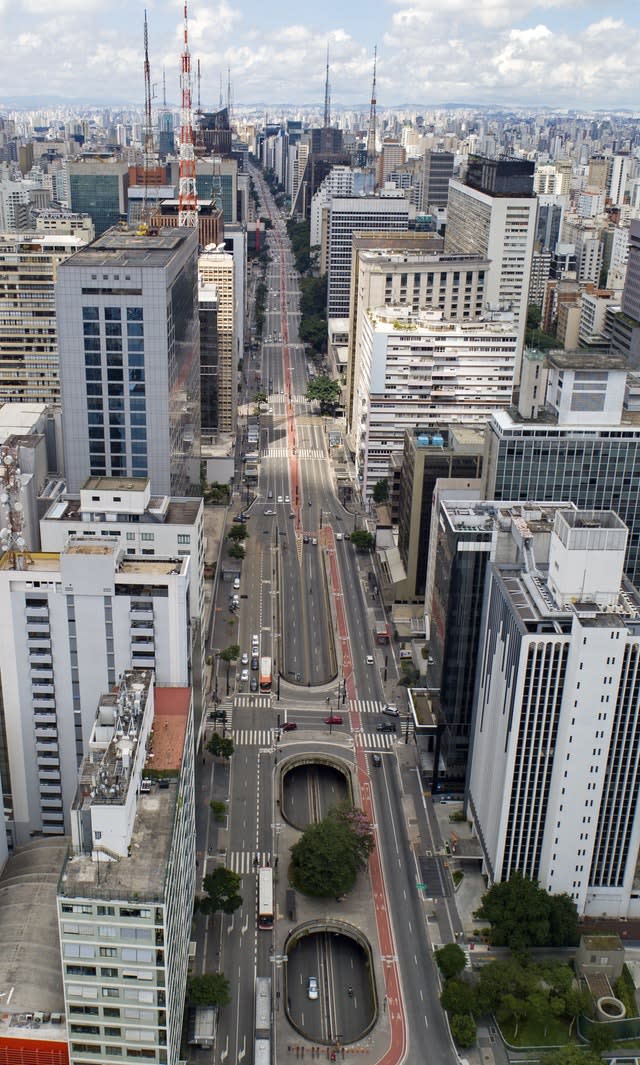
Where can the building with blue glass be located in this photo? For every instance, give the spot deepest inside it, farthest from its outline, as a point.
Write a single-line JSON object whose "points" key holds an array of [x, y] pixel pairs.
{"points": [[128, 335]]}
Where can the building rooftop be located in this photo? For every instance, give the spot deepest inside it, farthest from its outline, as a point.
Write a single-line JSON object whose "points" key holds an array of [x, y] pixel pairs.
{"points": [[115, 484], [586, 360], [30, 966], [142, 873], [124, 247], [49, 561]]}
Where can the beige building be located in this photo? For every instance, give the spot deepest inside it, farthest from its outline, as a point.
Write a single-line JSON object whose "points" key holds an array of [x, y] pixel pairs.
{"points": [[216, 268], [28, 332]]}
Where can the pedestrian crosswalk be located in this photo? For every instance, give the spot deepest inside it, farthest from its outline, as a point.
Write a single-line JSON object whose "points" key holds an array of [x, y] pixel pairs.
{"points": [[259, 737], [244, 862], [301, 452], [255, 702], [366, 706]]}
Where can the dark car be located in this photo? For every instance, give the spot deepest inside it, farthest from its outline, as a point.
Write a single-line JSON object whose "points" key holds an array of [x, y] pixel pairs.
{"points": [[253, 684], [376, 759], [305, 539], [255, 663], [386, 726], [334, 719], [240, 519], [289, 726]]}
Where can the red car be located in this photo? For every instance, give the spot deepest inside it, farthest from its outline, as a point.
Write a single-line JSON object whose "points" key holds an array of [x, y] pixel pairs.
{"points": [[289, 726], [333, 719]]}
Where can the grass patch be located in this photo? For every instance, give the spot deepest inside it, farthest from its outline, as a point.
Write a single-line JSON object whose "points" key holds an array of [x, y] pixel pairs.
{"points": [[537, 1033], [457, 876]]}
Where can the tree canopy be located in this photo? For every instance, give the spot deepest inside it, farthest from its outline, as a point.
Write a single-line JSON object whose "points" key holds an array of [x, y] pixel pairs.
{"points": [[362, 540], [209, 989], [221, 891], [230, 653], [450, 960], [220, 746], [329, 855], [238, 532], [523, 915], [325, 391], [381, 491]]}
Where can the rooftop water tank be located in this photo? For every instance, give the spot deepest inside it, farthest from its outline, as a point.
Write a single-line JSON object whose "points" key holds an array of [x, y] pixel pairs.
{"points": [[423, 440], [437, 440]]}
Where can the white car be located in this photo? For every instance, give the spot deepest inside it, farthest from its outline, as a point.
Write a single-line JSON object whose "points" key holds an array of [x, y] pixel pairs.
{"points": [[245, 658], [312, 988], [280, 499], [286, 499], [369, 660], [244, 676], [269, 512], [391, 709], [338, 536]]}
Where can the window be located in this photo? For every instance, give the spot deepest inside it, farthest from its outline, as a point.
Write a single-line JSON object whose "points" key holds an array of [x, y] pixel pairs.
{"points": [[184, 538], [90, 314], [110, 992]]}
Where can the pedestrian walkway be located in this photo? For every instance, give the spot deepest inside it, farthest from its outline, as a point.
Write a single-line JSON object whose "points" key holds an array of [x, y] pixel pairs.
{"points": [[302, 452], [375, 740], [254, 737], [244, 862], [366, 706]]}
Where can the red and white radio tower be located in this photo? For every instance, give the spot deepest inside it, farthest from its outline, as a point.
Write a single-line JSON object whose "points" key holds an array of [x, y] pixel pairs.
{"points": [[187, 196]]}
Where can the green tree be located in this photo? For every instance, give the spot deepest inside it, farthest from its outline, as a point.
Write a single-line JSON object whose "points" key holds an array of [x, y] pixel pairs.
{"points": [[457, 997], [520, 914], [221, 891], [601, 1038], [313, 331], [563, 921], [463, 1029], [236, 551], [514, 1007], [497, 980], [381, 491], [209, 989], [362, 540], [220, 746], [330, 853], [238, 532], [230, 654], [219, 810], [576, 1002], [571, 1054], [325, 391], [450, 960]]}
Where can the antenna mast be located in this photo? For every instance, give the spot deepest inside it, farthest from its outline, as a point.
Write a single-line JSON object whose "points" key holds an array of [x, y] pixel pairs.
{"points": [[229, 94], [149, 154], [327, 97], [187, 197], [371, 139]]}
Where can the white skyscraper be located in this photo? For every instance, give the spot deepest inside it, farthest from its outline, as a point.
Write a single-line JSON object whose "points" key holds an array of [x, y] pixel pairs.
{"points": [[555, 764]]}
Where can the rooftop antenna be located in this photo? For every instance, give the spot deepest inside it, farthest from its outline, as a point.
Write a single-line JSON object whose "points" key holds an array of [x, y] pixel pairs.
{"points": [[327, 97], [371, 138], [187, 197], [164, 89], [12, 537], [229, 94], [221, 97]]}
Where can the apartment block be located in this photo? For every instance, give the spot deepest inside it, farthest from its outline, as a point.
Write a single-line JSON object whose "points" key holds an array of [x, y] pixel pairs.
{"points": [[29, 263], [74, 621], [125, 897], [216, 268]]}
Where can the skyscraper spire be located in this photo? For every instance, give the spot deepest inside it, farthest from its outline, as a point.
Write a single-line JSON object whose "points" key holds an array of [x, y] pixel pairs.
{"points": [[187, 196]]}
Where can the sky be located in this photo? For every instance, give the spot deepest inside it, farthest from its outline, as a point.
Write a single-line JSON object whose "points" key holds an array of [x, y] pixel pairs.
{"points": [[514, 53]]}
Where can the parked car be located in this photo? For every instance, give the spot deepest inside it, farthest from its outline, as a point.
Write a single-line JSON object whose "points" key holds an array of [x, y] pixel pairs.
{"points": [[333, 719], [253, 684], [244, 676], [255, 663]]}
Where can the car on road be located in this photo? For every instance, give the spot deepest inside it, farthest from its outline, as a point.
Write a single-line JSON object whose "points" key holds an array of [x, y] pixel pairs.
{"points": [[236, 583], [338, 536], [314, 541], [333, 719], [305, 539], [253, 684], [312, 988], [289, 726], [391, 710], [369, 660], [280, 499], [386, 726], [244, 676], [240, 519], [269, 512], [245, 658], [286, 499], [255, 663], [376, 759]]}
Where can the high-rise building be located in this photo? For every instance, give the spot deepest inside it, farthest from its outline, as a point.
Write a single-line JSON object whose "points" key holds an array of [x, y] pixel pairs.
{"points": [[583, 447], [125, 896], [216, 268], [128, 334], [619, 174], [626, 326], [349, 215], [554, 779], [29, 263], [493, 214], [413, 368], [99, 188], [73, 622], [436, 171]]}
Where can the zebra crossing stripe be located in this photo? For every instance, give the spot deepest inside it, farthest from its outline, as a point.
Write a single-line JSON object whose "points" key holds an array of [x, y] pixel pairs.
{"points": [[243, 862]]}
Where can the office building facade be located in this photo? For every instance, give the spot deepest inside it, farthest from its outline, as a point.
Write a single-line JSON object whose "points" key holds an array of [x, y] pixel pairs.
{"points": [[216, 269], [128, 335], [125, 898], [99, 188], [555, 775]]}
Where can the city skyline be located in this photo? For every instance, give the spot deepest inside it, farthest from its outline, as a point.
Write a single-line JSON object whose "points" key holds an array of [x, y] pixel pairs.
{"points": [[554, 53]]}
